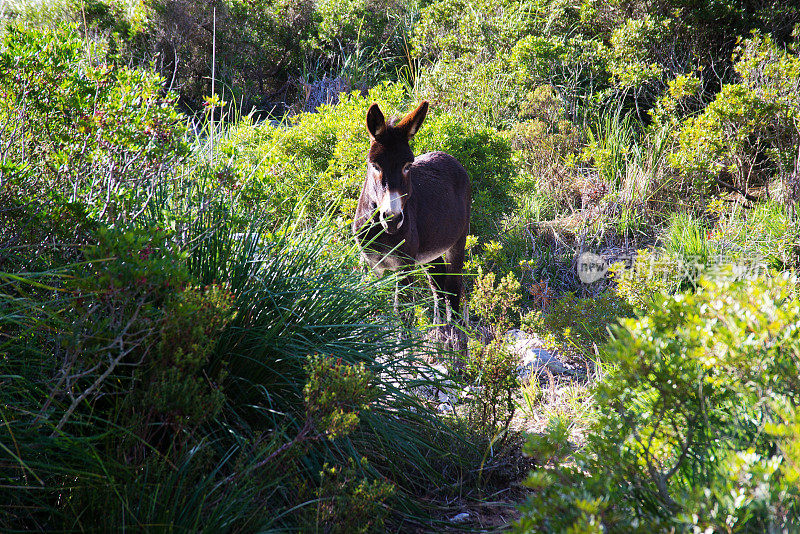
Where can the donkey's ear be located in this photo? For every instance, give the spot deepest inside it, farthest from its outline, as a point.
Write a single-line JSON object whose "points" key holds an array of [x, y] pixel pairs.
{"points": [[413, 120], [376, 123]]}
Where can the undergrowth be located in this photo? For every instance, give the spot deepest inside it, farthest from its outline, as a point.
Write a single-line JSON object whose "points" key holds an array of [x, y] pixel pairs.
{"points": [[187, 340]]}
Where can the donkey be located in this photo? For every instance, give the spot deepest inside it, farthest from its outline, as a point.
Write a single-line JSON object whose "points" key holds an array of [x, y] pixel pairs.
{"points": [[413, 210]]}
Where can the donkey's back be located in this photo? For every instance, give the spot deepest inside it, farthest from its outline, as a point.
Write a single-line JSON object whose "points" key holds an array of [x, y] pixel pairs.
{"points": [[442, 207]]}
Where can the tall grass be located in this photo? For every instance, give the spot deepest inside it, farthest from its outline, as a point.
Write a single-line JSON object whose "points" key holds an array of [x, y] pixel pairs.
{"points": [[686, 237], [767, 234], [611, 140]]}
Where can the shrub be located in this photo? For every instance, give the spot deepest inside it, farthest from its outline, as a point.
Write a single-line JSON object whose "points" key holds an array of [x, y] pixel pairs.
{"points": [[485, 29], [139, 329], [258, 45], [747, 135], [629, 55], [684, 97], [346, 27], [173, 386], [37, 231], [650, 275], [472, 90], [275, 35], [695, 426], [495, 305], [767, 236], [319, 160], [469, 72], [335, 393], [490, 365], [346, 502], [571, 65], [548, 144], [128, 376], [84, 130]]}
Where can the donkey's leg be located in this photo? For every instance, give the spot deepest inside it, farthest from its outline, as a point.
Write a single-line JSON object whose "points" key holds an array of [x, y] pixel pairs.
{"points": [[453, 285], [397, 296], [437, 275], [432, 286], [448, 281], [454, 259], [401, 296]]}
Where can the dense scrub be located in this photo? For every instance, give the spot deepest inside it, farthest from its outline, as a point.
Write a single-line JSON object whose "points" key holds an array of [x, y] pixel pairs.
{"points": [[186, 339], [696, 425]]}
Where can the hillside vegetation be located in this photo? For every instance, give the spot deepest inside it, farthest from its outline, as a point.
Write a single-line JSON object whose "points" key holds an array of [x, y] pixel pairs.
{"points": [[188, 341]]}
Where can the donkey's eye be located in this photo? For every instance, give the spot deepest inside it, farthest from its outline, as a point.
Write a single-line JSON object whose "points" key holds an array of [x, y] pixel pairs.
{"points": [[406, 168], [374, 170]]}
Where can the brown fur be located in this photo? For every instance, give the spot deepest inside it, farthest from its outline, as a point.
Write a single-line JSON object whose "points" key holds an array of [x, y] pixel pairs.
{"points": [[436, 199]]}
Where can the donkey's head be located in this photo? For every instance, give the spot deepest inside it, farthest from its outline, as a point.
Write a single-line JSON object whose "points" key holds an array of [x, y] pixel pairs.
{"points": [[389, 162]]}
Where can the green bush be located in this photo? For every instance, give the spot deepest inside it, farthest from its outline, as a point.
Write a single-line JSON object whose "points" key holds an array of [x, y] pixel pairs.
{"points": [[748, 134], [82, 129], [491, 366], [482, 92], [697, 423], [115, 25], [485, 29], [347, 27], [768, 235], [629, 55], [346, 502], [335, 393], [547, 144], [571, 65], [466, 57], [318, 161], [258, 45], [37, 231], [651, 275], [173, 386], [126, 375], [167, 346]]}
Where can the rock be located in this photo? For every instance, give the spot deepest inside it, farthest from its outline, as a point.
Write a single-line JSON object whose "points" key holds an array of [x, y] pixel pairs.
{"points": [[446, 409], [533, 355], [460, 518], [439, 368], [446, 394]]}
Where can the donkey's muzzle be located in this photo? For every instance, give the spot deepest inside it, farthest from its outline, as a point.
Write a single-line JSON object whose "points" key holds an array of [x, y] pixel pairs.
{"points": [[392, 223]]}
